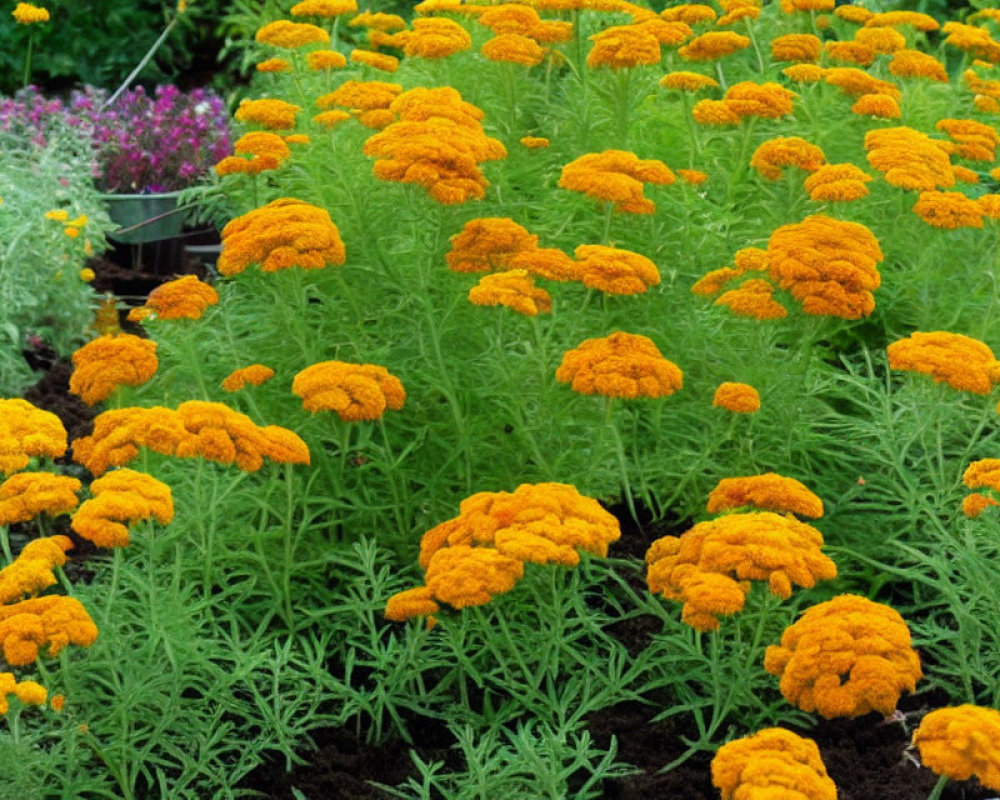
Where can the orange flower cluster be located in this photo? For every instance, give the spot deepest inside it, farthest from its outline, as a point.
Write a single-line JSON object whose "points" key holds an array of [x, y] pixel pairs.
{"points": [[909, 159], [898, 19], [499, 243], [754, 298], [973, 40], [434, 37], [740, 398], [514, 289], [765, 100], [274, 114], [976, 141], [961, 742], [534, 142], [709, 567], [786, 151], [256, 152], [689, 13], [850, 53], [856, 82], [881, 40], [482, 552], [31, 571], [210, 430], [270, 65], [283, 234], [355, 391], [254, 375], [914, 64], [623, 47], [26, 495], [798, 47], [804, 73], [856, 14], [513, 48], [714, 45], [26, 432], [614, 271], [768, 492], [774, 763], [669, 34], [844, 658], [692, 177], [949, 210], [324, 8], [53, 621], [618, 177], [882, 106], [984, 473], [682, 81], [438, 143], [837, 183], [620, 365], [369, 101], [715, 112], [104, 364], [975, 504], [184, 298], [381, 61], [122, 496], [379, 21], [290, 35], [319, 60], [524, 21], [28, 692], [791, 6], [965, 364], [828, 265]]}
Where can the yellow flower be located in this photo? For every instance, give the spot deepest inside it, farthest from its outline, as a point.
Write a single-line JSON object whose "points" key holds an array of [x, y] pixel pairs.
{"points": [[883, 106], [687, 81], [378, 21], [768, 492], [837, 183], [775, 763], [616, 176], [87, 275], [514, 289], [26, 495], [914, 64], [975, 504], [104, 364], [289, 35], [324, 8], [270, 112], [31, 572], [740, 398], [434, 37], [714, 45], [615, 271], [620, 365], [28, 692], [58, 215], [122, 496], [797, 47], [274, 65], [791, 151], [380, 61], [623, 46], [513, 49], [804, 73], [850, 53], [965, 364], [183, 298], [534, 142], [53, 620], [961, 742], [27, 14], [754, 298], [26, 432], [909, 159], [949, 210], [692, 177], [896, 19], [325, 59], [355, 391], [254, 375]]}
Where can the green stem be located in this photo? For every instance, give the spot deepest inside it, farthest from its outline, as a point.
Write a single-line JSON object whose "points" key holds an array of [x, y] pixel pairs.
{"points": [[622, 461], [938, 789], [5, 544], [27, 60]]}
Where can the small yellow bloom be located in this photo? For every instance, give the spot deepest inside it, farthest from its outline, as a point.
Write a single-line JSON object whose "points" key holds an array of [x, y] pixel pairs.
{"points": [[87, 275], [59, 215], [71, 232], [27, 14]]}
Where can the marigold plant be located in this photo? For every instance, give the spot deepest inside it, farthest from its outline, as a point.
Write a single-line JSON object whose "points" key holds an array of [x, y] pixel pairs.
{"points": [[287, 34], [961, 742], [434, 38], [514, 289], [52, 621], [754, 298], [355, 391], [774, 763], [909, 159], [615, 271], [740, 398], [837, 183], [618, 177], [31, 571], [768, 492], [623, 47], [964, 363], [27, 494], [183, 298], [948, 210], [29, 693], [713, 46], [620, 365], [844, 658], [105, 363], [271, 113], [772, 156], [26, 432], [253, 375]]}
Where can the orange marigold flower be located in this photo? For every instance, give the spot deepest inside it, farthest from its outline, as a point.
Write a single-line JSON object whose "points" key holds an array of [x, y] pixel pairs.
{"points": [[914, 64], [254, 375], [488, 244], [856, 82], [989, 204], [615, 271], [856, 14], [897, 19], [883, 106], [27, 494], [623, 46], [715, 112], [804, 73], [963, 363], [464, 576], [31, 571], [27, 431], [772, 762], [850, 53], [122, 496], [983, 473], [616, 176], [973, 39], [713, 45], [976, 141], [669, 34], [28, 692], [184, 298], [270, 112], [514, 289], [768, 492], [381, 61], [325, 59], [330, 119], [845, 658], [767, 100], [792, 151], [52, 620], [961, 742], [355, 391], [274, 65], [966, 175], [546, 262], [740, 398], [262, 145], [750, 259], [287, 34], [975, 504], [104, 364], [837, 183], [712, 282], [379, 21], [711, 565], [620, 365], [754, 298], [881, 40], [791, 6], [362, 95], [687, 81], [693, 177], [796, 47], [830, 266], [737, 13], [949, 210], [534, 142], [285, 233], [417, 602], [909, 159], [513, 48], [434, 38], [690, 13], [324, 8]]}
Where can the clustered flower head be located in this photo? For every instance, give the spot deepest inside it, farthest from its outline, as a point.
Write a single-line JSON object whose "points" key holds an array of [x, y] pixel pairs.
{"points": [[104, 364], [618, 177], [380, 61], [961, 742], [850, 52], [285, 233], [29, 693], [513, 48], [500, 244], [183, 298], [437, 142], [739, 398], [768, 492], [27, 494], [270, 113], [745, 99], [433, 38], [620, 365], [613, 270], [909, 159], [523, 20], [514, 289], [324, 8], [683, 81], [623, 47], [255, 152], [948, 210], [975, 141], [378, 21], [772, 763], [482, 552], [786, 151], [830, 266], [355, 391], [972, 39], [856, 82], [837, 183], [897, 19], [964, 363], [844, 658], [290, 35], [713, 46], [28, 14], [253, 375], [27, 432], [914, 64], [753, 298], [51, 621], [368, 101], [690, 13], [121, 496], [31, 571], [982, 474], [709, 568], [797, 47], [196, 428]]}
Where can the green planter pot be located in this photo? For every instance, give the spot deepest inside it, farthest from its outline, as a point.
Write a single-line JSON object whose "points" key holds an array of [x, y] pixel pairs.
{"points": [[146, 217]]}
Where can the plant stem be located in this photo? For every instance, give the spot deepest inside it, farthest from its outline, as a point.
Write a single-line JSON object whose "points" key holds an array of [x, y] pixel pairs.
{"points": [[938, 789], [27, 60]]}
